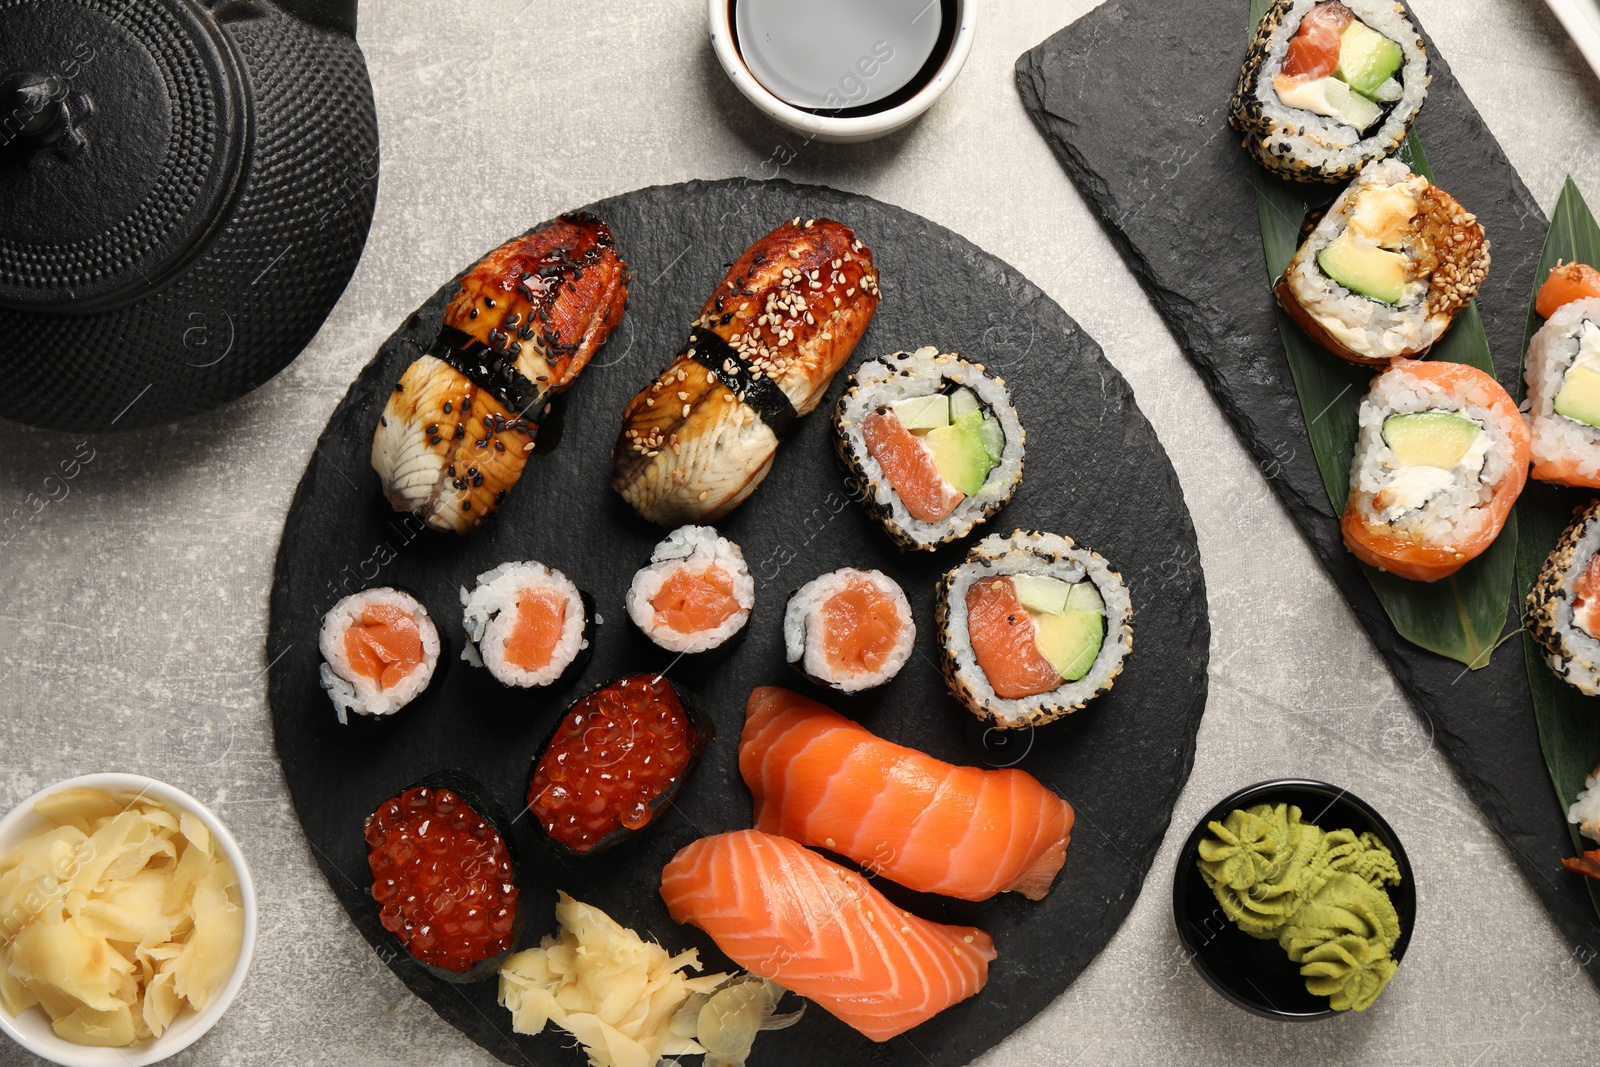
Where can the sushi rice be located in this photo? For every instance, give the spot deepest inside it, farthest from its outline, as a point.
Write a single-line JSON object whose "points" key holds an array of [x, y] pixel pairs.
{"points": [[489, 616], [696, 548], [1585, 810], [804, 626], [1031, 553], [1569, 338], [905, 375], [352, 691]]}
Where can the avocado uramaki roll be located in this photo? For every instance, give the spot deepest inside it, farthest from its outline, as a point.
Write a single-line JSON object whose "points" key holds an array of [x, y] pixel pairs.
{"points": [[1563, 610], [1563, 375], [934, 441], [1329, 87], [1387, 269]]}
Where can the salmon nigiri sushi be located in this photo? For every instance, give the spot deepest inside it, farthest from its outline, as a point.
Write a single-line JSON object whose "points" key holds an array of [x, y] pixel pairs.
{"points": [[823, 932], [963, 832]]}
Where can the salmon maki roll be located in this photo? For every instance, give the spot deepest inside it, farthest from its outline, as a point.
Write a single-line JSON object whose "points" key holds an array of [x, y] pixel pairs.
{"points": [[456, 431], [527, 624], [823, 932], [823, 780], [696, 592], [1562, 371], [379, 650], [1441, 458], [1563, 608], [699, 439], [849, 629]]}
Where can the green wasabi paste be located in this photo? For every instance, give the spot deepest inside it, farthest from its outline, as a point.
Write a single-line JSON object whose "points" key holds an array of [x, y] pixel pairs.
{"points": [[1320, 895]]}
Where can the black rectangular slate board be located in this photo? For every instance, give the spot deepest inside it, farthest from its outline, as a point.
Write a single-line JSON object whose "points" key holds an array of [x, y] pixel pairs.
{"points": [[1148, 145]]}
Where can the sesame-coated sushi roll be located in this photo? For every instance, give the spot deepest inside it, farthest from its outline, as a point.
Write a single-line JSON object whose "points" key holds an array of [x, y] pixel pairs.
{"points": [[1328, 87], [934, 441], [1563, 610], [528, 624], [1441, 458], [379, 651], [849, 629], [696, 592], [1032, 627], [1388, 268], [1563, 375]]}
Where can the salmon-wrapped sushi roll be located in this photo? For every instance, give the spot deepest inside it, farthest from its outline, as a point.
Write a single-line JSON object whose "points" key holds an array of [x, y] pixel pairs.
{"points": [[699, 439], [458, 428], [1442, 457], [1563, 375]]}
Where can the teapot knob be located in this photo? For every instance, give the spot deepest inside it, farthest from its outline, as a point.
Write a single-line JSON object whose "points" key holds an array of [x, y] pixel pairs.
{"points": [[40, 117]]}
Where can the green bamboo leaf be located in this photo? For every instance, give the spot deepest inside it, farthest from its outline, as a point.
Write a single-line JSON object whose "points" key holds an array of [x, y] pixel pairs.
{"points": [[1461, 616], [1568, 721]]}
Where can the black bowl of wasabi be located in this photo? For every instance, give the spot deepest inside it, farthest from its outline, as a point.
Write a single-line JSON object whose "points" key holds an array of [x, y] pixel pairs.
{"points": [[1256, 973]]}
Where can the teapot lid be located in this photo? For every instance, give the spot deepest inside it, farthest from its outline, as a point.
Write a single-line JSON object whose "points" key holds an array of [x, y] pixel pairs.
{"points": [[123, 127]]}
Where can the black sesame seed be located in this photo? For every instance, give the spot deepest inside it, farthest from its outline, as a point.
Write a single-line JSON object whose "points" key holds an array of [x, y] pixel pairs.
{"points": [[434, 439], [461, 431], [466, 505], [473, 313], [447, 407], [399, 388], [432, 427], [498, 447]]}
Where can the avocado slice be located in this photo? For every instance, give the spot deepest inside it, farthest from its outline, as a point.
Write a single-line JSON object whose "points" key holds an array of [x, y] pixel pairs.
{"points": [[1070, 641], [922, 412], [1085, 597], [1579, 396], [1430, 438], [1365, 269], [1367, 58], [993, 438], [959, 454], [1041, 593]]}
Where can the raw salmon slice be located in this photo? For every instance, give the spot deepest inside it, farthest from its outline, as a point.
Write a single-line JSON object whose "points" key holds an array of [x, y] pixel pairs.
{"points": [[384, 646], [909, 466], [541, 616], [821, 779], [1002, 638], [691, 602], [860, 628], [1566, 283], [1314, 52], [823, 932], [1586, 597]]}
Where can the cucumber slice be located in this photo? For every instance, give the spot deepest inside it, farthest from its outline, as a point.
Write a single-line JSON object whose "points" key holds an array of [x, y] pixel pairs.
{"points": [[963, 401], [1083, 596], [922, 412], [1041, 593], [993, 438]]}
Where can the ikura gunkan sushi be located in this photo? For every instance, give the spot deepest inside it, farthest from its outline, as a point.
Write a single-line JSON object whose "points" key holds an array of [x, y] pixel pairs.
{"points": [[1388, 268], [696, 592], [1563, 610], [379, 649], [935, 442], [1441, 457], [849, 629], [1328, 87], [1563, 375], [526, 623], [1032, 627]]}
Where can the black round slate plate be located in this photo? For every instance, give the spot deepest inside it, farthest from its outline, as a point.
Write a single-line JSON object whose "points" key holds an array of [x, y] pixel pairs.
{"points": [[1095, 471], [1257, 974]]}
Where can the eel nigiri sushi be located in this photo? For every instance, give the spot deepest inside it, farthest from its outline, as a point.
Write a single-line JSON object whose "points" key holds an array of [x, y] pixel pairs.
{"points": [[458, 428], [698, 440], [963, 832], [823, 932]]}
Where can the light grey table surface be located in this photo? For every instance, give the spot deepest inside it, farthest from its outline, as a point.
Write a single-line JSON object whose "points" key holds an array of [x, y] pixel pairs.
{"points": [[134, 610]]}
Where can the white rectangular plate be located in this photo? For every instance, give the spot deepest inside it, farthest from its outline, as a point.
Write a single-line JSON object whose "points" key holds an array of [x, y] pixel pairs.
{"points": [[1582, 20]]}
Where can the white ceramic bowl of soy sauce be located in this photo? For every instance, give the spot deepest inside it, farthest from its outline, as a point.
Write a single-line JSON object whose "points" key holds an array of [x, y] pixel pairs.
{"points": [[857, 72]]}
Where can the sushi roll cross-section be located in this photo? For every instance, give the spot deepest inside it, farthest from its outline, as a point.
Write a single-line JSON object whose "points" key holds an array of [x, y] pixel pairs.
{"points": [[699, 439], [1032, 627], [1441, 458], [1387, 269], [1563, 608], [1328, 87], [822, 780], [696, 592], [615, 760], [458, 428], [1562, 371], [526, 623], [379, 650], [935, 442], [849, 629]]}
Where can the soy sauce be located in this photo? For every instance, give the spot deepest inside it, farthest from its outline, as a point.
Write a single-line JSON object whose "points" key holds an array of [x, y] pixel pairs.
{"points": [[843, 58]]}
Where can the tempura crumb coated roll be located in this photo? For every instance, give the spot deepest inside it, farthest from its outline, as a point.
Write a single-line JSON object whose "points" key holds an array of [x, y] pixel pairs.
{"points": [[526, 623], [695, 594], [935, 442], [1563, 375], [1032, 627], [849, 629], [1441, 458], [1563, 609], [1327, 87], [379, 650], [1388, 268]]}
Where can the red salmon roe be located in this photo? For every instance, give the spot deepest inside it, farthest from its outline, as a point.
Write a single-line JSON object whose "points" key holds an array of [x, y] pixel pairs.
{"points": [[617, 751], [442, 878]]}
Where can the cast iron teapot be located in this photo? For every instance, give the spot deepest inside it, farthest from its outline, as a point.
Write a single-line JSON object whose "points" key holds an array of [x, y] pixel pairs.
{"points": [[185, 189]]}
